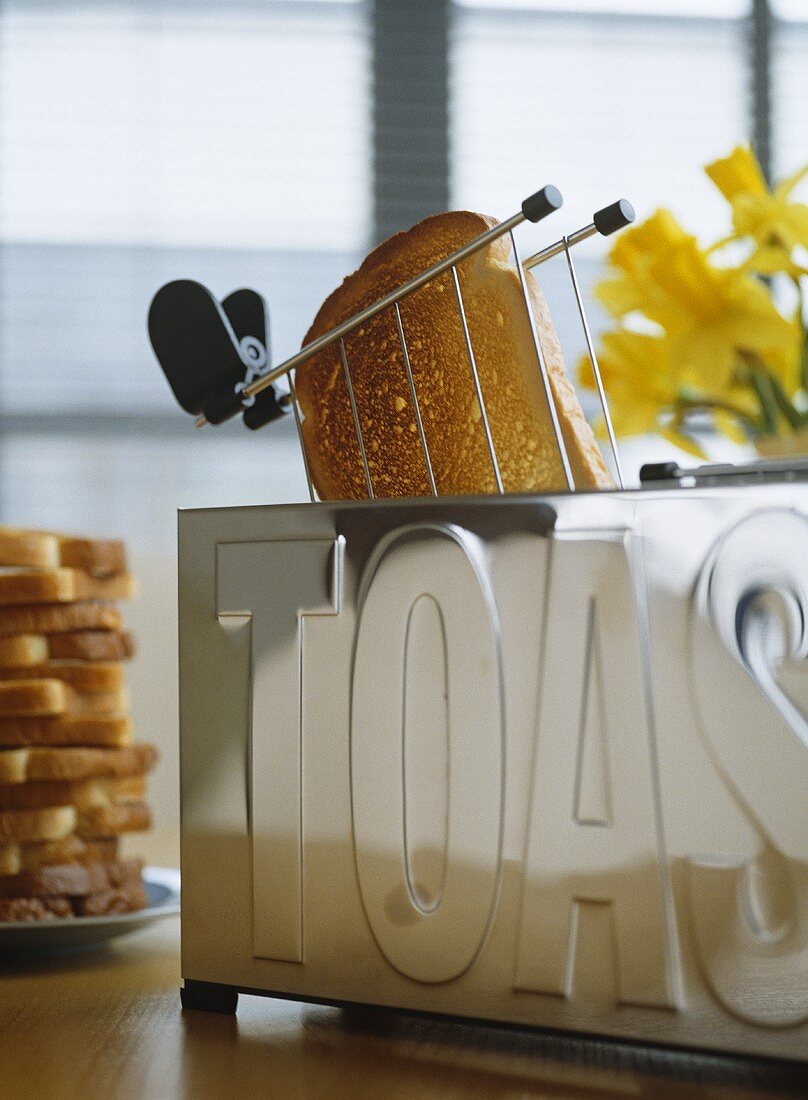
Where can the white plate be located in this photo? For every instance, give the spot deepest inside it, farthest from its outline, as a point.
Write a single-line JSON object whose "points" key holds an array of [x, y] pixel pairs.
{"points": [[54, 937]]}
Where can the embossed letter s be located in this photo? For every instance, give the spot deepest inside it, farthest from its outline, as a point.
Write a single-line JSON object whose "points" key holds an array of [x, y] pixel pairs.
{"points": [[750, 915]]}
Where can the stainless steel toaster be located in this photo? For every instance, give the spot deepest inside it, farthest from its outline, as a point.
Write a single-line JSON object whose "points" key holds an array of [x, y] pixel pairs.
{"points": [[540, 760]]}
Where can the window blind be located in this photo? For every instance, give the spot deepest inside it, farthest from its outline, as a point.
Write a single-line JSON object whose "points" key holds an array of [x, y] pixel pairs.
{"points": [[226, 142]]}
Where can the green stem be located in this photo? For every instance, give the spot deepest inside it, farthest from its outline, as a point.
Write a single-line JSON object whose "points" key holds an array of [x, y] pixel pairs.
{"points": [[783, 403], [710, 404], [804, 331], [761, 384]]}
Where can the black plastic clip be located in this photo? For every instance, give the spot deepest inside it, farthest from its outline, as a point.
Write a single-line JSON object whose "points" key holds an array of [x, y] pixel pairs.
{"points": [[210, 351]]}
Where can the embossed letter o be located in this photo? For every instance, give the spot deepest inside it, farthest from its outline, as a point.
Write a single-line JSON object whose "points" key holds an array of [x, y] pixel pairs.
{"points": [[446, 564]]}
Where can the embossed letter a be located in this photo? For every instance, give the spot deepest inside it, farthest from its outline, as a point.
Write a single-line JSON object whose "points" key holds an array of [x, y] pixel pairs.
{"points": [[594, 835]]}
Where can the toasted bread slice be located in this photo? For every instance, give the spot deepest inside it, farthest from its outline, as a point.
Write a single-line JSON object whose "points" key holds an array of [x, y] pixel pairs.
{"points": [[92, 615], [62, 585], [39, 698], [32, 856], [510, 379], [92, 645], [123, 899], [72, 879], [66, 764], [52, 823], [65, 729], [112, 820], [50, 550], [33, 698], [113, 704], [98, 557], [84, 794], [57, 822], [23, 650], [83, 676], [30, 549], [35, 909]]}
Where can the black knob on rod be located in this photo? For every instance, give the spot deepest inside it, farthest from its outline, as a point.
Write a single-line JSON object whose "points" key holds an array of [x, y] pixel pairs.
{"points": [[614, 217], [541, 204]]}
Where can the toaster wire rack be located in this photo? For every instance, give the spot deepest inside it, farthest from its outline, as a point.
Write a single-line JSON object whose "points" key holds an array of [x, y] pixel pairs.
{"points": [[535, 208]]}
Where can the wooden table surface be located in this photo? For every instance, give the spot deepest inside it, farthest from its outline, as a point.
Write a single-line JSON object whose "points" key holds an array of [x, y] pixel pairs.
{"points": [[108, 1024]]}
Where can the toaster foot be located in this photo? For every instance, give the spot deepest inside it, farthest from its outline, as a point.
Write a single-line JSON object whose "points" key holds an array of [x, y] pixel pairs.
{"points": [[209, 997]]}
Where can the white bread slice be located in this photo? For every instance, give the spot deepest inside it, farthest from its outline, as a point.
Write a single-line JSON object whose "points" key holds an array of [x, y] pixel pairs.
{"points": [[510, 379]]}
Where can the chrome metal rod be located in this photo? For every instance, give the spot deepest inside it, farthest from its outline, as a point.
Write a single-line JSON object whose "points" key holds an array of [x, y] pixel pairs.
{"points": [[390, 299], [414, 396], [357, 425], [593, 359], [296, 411], [545, 377], [558, 247], [475, 375]]}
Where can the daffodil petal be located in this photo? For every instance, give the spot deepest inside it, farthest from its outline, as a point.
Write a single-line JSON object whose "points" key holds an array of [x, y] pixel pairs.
{"points": [[739, 173]]}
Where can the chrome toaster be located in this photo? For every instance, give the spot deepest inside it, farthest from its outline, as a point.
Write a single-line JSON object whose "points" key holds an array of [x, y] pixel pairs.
{"points": [[536, 760]]}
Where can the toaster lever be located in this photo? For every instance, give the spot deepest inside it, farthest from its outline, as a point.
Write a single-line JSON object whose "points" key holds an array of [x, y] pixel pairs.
{"points": [[211, 351]]}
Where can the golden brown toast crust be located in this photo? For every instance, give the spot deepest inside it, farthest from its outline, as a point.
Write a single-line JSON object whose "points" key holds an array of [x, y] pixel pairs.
{"points": [[124, 899], [53, 823], [62, 585], [29, 909], [74, 879], [92, 645], [63, 764], [23, 650], [33, 549], [84, 677], [32, 856], [98, 557], [58, 822], [92, 615], [29, 549], [509, 374], [64, 729], [102, 821], [84, 794], [39, 698]]}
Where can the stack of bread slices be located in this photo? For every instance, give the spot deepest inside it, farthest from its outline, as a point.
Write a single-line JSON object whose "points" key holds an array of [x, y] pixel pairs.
{"points": [[72, 781]]}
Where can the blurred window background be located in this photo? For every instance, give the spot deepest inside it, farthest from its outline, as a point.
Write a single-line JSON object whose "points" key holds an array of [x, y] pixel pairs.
{"points": [[270, 143]]}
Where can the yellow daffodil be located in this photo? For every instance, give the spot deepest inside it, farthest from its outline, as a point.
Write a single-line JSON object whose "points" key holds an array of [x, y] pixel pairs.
{"points": [[695, 338], [708, 313], [766, 216], [638, 377]]}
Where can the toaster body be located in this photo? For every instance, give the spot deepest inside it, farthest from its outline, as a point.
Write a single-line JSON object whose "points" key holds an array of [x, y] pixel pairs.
{"points": [[540, 761]]}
